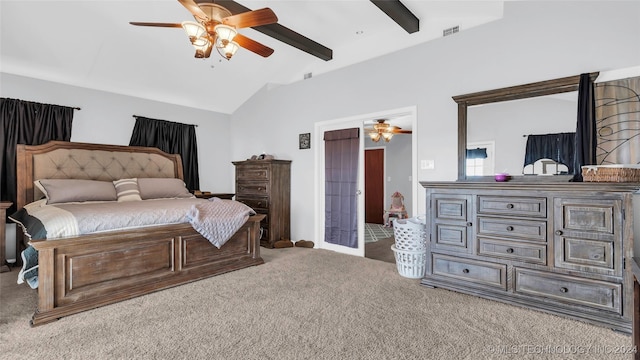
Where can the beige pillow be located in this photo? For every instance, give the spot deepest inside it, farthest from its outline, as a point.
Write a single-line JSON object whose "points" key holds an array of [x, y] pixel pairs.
{"points": [[127, 189], [76, 190], [159, 188]]}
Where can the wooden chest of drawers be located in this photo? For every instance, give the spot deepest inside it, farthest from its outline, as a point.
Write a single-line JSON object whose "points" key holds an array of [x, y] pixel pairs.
{"points": [[264, 185], [556, 247]]}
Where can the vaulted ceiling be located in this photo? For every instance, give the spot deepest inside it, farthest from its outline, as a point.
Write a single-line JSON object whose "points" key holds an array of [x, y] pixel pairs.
{"points": [[91, 43]]}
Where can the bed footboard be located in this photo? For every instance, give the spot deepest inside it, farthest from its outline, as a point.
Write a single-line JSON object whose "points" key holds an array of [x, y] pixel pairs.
{"points": [[85, 272]]}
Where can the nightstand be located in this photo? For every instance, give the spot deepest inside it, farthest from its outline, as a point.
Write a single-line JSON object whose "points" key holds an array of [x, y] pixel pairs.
{"points": [[4, 205]]}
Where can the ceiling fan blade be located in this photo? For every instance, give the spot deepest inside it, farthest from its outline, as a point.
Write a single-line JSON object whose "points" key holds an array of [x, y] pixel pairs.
{"points": [[398, 131], [284, 34], [253, 45], [251, 18], [194, 9], [156, 24]]}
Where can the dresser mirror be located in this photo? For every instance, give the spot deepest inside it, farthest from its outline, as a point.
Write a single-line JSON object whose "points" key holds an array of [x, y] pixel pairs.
{"points": [[509, 116]]}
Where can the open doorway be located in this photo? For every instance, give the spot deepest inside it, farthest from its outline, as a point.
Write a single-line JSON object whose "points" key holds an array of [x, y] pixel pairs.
{"points": [[387, 173], [408, 180]]}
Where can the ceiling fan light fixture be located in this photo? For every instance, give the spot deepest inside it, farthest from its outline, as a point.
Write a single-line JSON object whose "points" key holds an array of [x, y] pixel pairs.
{"points": [[228, 50], [225, 33], [387, 136], [194, 30], [203, 47], [375, 136]]}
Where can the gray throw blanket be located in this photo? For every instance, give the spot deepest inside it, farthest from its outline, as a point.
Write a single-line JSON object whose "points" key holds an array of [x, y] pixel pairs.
{"points": [[217, 219]]}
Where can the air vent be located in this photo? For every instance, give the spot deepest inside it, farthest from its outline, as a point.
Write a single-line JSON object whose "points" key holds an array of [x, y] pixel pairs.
{"points": [[308, 75], [450, 31]]}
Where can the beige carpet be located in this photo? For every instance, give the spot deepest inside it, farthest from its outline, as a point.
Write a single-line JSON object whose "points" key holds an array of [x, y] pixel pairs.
{"points": [[301, 304]]}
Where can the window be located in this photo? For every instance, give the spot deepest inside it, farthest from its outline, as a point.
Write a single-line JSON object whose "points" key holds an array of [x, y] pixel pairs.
{"points": [[480, 158], [475, 167]]}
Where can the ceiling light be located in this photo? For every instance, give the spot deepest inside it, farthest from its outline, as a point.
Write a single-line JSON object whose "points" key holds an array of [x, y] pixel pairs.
{"points": [[384, 130], [203, 47], [194, 30], [225, 33], [228, 50]]}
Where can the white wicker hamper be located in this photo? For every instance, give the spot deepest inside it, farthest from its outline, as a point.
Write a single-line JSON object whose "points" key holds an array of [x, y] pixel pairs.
{"points": [[410, 263], [410, 248]]}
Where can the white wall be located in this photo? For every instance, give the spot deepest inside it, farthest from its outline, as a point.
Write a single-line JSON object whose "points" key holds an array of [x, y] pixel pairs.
{"points": [[534, 41]]}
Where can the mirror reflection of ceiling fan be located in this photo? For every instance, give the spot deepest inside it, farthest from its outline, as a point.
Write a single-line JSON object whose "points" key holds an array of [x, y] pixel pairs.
{"points": [[384, 130], [215, 27]]}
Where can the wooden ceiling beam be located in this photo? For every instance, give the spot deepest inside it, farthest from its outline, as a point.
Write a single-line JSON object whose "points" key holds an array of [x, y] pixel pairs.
{"points": [[282, 33], [399, 13]]}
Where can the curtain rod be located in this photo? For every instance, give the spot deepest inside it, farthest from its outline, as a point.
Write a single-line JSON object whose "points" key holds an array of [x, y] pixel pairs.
{"points": [[35, 102], [137, 116]]}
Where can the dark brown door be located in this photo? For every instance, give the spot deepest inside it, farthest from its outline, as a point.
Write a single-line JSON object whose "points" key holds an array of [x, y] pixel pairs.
{"points": [[374, 186]]}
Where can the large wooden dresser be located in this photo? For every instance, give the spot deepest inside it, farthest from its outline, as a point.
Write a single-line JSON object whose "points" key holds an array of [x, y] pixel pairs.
{"points": [[563, 248], [265, 186]]}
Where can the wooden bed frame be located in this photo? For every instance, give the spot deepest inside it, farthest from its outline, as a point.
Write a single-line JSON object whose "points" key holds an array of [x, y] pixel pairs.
{"points": [[85, 272]]}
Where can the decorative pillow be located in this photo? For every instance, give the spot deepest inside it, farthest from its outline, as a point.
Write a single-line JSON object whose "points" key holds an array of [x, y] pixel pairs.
{"points": [[158, 188], [76, 190], [127, 189]]}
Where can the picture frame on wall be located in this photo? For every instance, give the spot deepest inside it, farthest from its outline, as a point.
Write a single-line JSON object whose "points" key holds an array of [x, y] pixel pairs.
{"points": [[305, 141]]}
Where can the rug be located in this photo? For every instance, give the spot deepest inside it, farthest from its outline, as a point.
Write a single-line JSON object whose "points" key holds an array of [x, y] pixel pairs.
{"points": [[375, 232]]}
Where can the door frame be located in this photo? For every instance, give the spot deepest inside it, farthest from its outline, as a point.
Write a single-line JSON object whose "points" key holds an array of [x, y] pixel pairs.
{"points": [[356, 121]]}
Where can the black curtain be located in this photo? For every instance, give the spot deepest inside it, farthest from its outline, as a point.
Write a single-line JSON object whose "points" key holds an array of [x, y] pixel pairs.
{"points": [[559, 147], [30, 123], [586, 141], [341, 149], [173, 138]]}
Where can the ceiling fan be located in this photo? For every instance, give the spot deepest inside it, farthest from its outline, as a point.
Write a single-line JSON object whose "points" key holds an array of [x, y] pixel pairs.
{"points": [[216, 27], [381, 129]]}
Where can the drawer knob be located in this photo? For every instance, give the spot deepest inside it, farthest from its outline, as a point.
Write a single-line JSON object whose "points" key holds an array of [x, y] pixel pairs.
{"points": [[558, 232], [466, 271], [510, 250], [564, 289], [509, 228], [509, 206], [469, 223]]}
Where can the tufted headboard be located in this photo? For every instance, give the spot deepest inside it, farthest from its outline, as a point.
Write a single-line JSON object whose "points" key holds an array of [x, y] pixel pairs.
{"points": [[71, 160]]}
